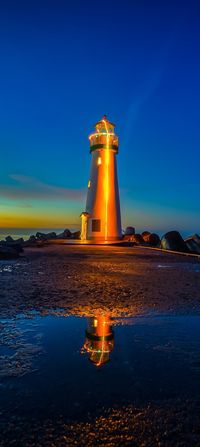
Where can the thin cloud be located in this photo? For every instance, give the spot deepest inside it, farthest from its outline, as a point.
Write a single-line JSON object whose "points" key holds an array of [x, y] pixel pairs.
{"points": [[25, 205], [26, 187]]}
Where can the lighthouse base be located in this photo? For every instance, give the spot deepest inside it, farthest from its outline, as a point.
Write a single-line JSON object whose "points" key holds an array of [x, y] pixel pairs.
{"points": [[101, 240]]}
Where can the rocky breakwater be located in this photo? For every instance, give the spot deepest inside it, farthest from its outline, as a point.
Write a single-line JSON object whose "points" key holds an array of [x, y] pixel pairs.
{"points": [[11, 248], [66, 234], [146, 238], [172, 240]]}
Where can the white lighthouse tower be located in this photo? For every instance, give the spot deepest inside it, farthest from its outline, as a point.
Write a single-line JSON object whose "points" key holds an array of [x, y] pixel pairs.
{"points": [[101, 221]]}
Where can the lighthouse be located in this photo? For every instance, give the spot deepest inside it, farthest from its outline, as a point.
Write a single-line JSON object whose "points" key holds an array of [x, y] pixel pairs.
{"points": [[101, 220]]}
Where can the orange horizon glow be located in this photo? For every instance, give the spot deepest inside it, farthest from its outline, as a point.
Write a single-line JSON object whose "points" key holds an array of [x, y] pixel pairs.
{"points": [[44, 221]]}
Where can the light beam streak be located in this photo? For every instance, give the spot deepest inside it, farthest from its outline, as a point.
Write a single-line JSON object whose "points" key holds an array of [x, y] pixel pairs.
{"points": [[106, 183]]}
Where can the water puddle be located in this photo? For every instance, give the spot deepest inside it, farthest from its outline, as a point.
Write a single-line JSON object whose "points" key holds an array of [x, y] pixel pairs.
{"points": [[189, 266], [75, 368]]}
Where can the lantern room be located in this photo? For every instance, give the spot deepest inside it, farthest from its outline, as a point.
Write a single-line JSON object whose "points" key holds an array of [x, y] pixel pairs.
{"points": [[104, 137]]}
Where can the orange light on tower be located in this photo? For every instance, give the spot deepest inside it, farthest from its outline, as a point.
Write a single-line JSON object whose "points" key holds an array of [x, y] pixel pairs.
{"points": [[103, 221]]}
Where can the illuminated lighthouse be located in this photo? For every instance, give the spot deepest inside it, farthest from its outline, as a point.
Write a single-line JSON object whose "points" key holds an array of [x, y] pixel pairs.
{"points": [[101, 221]]}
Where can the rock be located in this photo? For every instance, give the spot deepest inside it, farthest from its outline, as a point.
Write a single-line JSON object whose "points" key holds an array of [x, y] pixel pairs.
{"points": [[127, 237], [64, 235], [60, 236], [51, 235], [145, 234], [32, 238], [8, 252], [151, 238], [173, 241], [30, 242], [137, 238], [196, 238], [9, 239], [12, 244], [76, 235], [67, 233], [45, 236], [41, 236], [193, 243], [129, 231], [17, 247], [19, 241]]}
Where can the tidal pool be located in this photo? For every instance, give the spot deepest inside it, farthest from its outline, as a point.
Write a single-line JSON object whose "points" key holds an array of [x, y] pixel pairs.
{"points": [[60, 375]]}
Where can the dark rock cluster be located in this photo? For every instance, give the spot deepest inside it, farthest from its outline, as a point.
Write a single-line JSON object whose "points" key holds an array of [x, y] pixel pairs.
{"points": [[174, 241], [171, 240], [146, 238], [11, 248]]}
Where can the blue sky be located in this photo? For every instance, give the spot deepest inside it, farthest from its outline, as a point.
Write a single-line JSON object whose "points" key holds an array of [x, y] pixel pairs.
{"points": [[63, 66]]}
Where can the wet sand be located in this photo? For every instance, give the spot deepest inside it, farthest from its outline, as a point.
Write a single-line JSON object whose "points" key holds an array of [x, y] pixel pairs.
{"points": [[79, 280]]}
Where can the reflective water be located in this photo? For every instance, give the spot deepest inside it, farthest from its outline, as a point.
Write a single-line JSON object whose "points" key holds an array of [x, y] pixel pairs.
{"points": [[74, 368]]}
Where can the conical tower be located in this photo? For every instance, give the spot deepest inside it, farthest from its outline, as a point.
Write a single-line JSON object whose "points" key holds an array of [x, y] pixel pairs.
{"points": [[101, 221]]}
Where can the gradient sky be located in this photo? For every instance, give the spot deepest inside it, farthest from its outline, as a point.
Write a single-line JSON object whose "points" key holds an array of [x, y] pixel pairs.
{"points": [[63, 65]]}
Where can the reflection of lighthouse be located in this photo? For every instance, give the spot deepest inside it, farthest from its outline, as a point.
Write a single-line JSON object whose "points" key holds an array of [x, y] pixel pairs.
{"points": [[101, 221], [99, 339]]}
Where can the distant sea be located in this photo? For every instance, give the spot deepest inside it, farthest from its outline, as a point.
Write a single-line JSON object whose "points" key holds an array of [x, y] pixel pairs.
{"points": [[16, 233]]}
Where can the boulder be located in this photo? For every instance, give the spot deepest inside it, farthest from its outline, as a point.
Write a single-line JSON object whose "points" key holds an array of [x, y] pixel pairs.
{"points": [[51, 235], [32, 238], [193, 243], [196, 238], [17, 247], [9, 239], [145, 234], [45, 236], [151, 239], [30, 242], [12, 244], [127, 237], [173, 241], [137, 238], [41, 236], [76, 235], [19, 241], [66, 234], [129, 231], [8, 252]]}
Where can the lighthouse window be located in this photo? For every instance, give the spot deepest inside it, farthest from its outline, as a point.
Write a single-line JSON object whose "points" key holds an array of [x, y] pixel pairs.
{"points": [[96, 225], [89, 184], [99, 161]]}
